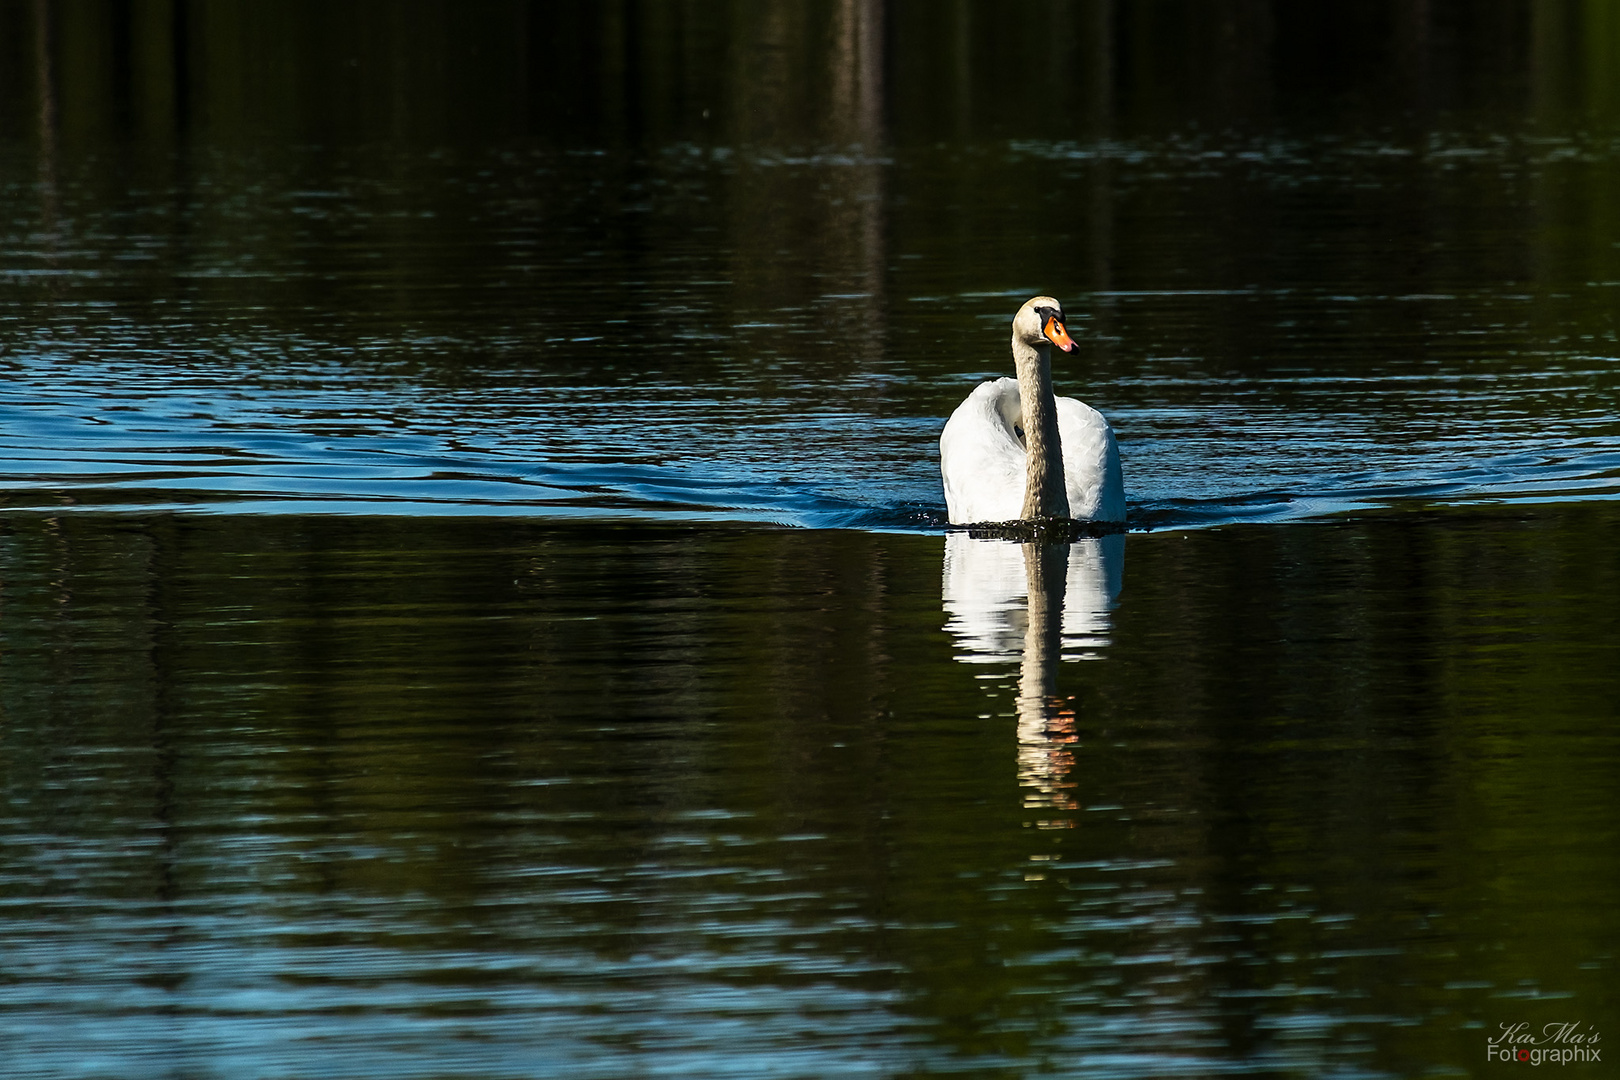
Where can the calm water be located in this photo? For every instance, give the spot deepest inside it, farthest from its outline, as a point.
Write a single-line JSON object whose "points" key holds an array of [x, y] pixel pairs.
{"points": [[416, 796], [474, 593]]}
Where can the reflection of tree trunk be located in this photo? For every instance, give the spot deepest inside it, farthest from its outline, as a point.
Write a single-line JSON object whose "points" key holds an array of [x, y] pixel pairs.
{"points": [[45, 80], [857, 73], [829, 213], [1044, 759], [871, 97], [1099, 60], [180, 49], [762, 91], [858, 121], [1412, 58], [1553, 30], [962, 40]]}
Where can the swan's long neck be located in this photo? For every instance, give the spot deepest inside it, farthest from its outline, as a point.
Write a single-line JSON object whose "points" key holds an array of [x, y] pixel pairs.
{"points": [[1045, 494]]}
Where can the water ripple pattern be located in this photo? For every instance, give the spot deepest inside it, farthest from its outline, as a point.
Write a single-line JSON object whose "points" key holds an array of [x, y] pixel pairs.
{"points": [[526, 332]]}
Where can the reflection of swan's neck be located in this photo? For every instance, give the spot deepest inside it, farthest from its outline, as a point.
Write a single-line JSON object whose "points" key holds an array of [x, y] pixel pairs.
{"points": [[1044, 762], [1046, 567], [1045, 494]]}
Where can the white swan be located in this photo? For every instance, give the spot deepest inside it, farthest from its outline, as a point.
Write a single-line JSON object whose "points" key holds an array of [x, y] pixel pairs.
{"points": [[1014, 452]]}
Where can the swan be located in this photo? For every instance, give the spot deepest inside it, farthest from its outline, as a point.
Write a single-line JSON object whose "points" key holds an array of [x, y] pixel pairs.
{"points": [[1015, 452]]}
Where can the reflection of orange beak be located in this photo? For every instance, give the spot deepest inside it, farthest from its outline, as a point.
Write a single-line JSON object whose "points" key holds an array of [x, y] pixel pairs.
{"points": [[1057, 335]]}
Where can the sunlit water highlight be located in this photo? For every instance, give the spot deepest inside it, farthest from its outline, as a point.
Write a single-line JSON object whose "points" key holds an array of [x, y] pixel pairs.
{"points": [[82, 433], [138, 379]]}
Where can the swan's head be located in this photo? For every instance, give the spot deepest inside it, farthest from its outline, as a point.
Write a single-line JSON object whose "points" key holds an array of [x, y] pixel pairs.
{"points": [[1040, 322]]}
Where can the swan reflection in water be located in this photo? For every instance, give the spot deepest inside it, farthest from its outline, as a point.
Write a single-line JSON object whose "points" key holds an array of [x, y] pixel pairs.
{"points": [[1037, 604]]}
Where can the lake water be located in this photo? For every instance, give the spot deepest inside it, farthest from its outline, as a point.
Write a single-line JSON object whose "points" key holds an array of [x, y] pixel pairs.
{"points": [[475, 598]]}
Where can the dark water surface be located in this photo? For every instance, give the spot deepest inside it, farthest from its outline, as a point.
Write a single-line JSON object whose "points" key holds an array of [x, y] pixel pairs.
{"points": [[422, 797], [474, 593]]}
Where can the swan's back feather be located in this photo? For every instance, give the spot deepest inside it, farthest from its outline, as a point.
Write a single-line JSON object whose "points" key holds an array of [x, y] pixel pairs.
{"points": [[1091, 468], [982, 458]]}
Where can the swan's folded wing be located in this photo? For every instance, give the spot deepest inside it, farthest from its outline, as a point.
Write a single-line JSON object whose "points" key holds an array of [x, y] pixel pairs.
{"points": [[981, 460], [1091, 469]]}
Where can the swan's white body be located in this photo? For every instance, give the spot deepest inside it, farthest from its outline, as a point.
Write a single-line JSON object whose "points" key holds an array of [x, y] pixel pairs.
{"points": [[1014, 451], [984, 463]]}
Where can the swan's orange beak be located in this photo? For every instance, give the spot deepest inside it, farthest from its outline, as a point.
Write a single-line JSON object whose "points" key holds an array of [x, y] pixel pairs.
{"points": [[1057, 335]]}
